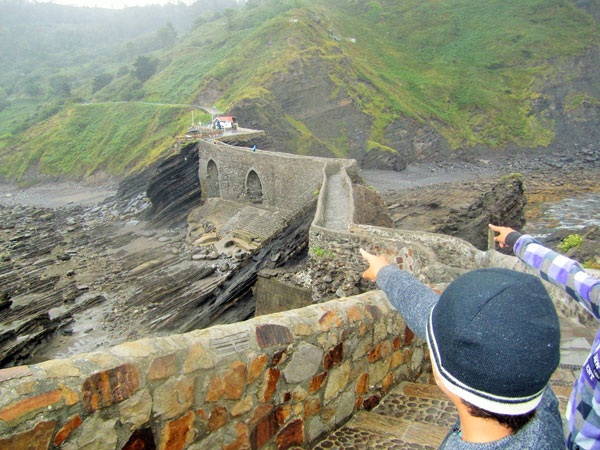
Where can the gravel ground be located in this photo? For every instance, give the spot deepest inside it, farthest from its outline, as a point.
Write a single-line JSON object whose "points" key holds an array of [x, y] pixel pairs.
{"points": [[388, 181], [55, 195]]}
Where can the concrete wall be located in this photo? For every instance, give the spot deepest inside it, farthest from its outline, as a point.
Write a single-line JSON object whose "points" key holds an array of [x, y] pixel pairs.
{"points": [[272, 382], [288, 181], [272, 295]]}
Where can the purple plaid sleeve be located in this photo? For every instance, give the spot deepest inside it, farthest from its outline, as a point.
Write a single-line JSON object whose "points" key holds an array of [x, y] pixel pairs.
{"points": [[583, 410], [561, 271]]}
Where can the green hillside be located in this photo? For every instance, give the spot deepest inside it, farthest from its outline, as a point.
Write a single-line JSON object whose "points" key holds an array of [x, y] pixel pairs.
{"points": [[334, 78]]}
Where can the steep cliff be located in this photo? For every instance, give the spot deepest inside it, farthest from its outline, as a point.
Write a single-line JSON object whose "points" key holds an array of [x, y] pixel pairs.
{"points": [[385, 82]]}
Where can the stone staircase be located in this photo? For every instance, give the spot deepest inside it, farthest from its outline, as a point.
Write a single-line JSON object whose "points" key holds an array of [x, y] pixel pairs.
{"points": [[418, 416]]}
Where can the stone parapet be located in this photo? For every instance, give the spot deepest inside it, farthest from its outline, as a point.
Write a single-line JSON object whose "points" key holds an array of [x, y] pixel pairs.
{"points": [[435, 259], [275, 381], [288, 181], [565, 305]]}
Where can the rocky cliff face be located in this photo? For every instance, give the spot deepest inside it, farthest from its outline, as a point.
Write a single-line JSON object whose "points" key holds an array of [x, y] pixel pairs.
{"points": [[305, 96], [305, 92], [174, 189], [504, 204]]}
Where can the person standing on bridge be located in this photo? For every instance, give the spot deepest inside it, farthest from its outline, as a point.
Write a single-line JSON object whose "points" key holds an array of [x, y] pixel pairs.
{"points": [[583, 410], [494, 340]]}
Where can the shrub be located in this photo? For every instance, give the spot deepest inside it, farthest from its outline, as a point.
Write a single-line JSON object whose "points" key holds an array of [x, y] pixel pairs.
{"points": [[573, 240], [591, 264], [322, 252]]}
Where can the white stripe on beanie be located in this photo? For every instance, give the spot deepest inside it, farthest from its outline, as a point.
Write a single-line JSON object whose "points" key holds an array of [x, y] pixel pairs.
{"points": [[489, 402]]}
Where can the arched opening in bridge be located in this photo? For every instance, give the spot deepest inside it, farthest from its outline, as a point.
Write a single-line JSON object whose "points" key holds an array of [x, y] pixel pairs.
{"points": [[254, 187], [212, 180]]}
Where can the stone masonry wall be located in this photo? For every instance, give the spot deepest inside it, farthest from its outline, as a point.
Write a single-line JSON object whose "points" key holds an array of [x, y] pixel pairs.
{"points": [[288, 181], [272, 295], [274, 382], [435, 259]]}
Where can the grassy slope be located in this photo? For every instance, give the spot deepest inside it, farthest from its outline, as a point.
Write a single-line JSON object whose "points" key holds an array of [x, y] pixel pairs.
{"points": [[84, 138], [466, 67]]}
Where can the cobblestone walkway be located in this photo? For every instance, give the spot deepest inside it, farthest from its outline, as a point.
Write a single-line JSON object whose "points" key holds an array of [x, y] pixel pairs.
{"points": [[336, 204], [418, 416]]}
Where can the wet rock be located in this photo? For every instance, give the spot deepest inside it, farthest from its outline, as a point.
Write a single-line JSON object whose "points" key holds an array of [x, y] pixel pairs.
{"points": [[587, 252], [5, 301], [20, 237], [503, 205], [62, 256], [384, 159]]}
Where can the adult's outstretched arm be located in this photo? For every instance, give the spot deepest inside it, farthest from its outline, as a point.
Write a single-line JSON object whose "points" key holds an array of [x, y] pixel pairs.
{"points": [[554, 267]]}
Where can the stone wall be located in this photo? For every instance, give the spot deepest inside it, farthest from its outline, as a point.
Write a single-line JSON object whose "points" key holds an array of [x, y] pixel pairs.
{"points": [[272, 295], [272, 382], [564, 304], [435, 259], [337, 265], [288, 181]]}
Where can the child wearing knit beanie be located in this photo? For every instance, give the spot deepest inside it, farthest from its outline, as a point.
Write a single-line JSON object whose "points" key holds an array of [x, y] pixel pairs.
{"points": [[494, 340]]}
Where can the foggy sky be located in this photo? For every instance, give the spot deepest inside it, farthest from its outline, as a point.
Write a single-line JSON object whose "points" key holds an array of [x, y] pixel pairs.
{"points": [[114, 3]]}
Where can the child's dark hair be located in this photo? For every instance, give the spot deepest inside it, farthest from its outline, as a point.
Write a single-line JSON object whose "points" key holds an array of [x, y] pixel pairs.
{"points": [[515, 423]]}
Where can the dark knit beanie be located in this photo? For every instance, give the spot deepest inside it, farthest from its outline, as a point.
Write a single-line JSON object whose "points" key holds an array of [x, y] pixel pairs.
{"points": [[494, 338]]}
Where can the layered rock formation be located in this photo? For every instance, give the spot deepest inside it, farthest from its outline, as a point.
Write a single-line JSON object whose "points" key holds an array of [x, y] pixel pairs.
{"points": [[504, 204]]}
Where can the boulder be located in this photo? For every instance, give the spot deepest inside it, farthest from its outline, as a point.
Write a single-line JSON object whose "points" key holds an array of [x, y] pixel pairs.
{"points": [[384, 159], [502, 205], [5, 301]]}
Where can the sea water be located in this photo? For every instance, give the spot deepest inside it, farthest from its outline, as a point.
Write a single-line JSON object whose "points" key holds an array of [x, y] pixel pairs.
{"points": [[572, 213]]}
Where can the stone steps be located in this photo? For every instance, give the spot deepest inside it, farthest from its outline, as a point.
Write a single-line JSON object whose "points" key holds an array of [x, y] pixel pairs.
{"points": [[411, 416]]}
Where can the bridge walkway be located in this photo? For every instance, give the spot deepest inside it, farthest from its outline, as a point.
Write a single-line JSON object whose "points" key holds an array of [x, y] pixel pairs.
{"points": [[336, 204], [418, 415]]}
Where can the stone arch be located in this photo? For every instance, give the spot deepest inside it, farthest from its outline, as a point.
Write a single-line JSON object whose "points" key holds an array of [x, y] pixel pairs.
{"points": [[254, 189], [212, 180]]}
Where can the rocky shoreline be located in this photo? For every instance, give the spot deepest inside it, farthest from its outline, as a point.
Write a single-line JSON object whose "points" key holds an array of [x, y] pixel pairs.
{"points": [[81, 275]]}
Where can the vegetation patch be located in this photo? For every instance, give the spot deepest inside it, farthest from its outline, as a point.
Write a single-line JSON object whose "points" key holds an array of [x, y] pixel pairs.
{"points": [[322, 252], [571, 241]]}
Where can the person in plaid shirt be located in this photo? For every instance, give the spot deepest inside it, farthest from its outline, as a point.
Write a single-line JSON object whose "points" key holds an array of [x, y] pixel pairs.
{"points": [[583, 410]]}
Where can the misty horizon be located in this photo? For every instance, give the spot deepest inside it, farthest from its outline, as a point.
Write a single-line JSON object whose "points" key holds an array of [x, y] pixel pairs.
{"points": [[116, 4]]}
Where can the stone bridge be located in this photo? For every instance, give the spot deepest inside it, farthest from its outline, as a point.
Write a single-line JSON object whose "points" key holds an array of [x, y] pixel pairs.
{"points": [[282, 380], [278, 180]]}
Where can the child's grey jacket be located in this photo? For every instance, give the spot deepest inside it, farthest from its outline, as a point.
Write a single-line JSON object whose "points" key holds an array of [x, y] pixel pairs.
{"points": [[414, 301]]}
